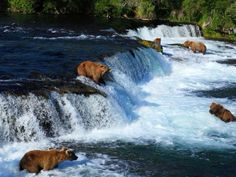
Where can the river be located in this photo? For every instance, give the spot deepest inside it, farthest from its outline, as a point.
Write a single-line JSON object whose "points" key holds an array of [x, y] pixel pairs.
{"points": [[154, 120]]}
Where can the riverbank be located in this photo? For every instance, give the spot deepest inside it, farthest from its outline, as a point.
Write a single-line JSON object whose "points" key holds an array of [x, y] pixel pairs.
{"points": [[217, 18], [118, 24]]}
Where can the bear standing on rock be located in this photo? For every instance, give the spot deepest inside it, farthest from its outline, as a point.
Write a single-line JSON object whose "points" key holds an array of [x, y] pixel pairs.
{"points": [[195, 46], [92, 70], [37, 160]]}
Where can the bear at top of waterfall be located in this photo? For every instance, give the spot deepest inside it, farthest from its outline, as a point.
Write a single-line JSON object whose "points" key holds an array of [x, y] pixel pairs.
{"points": [[92, 70], [195, 46], [36, 160], [222, 113]]}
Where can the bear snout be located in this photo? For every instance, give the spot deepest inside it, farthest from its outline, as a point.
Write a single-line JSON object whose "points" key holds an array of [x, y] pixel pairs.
{"points": [[73, 157], [210, 111]]}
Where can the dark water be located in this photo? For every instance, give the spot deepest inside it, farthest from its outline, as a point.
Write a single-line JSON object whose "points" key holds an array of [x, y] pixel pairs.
{"points": [[149, 159], [49, 48], [28, 47], [223, 92]]}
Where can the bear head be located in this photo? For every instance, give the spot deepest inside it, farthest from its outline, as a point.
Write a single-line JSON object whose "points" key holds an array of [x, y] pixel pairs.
{"points": [[103, 69], [187, 43], [157, 41], [68, 154], [216, 108]]}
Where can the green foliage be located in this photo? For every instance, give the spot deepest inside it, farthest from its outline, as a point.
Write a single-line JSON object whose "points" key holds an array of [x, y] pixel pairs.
{"points": [[218, 14], [145, 9], [25, 6], [131, 8], [194, 10], [65, 6], [211, 34], [111, 8], [231, 12], [49, 7]]}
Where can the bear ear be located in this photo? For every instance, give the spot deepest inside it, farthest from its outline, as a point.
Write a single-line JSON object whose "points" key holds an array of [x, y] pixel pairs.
{"points": [[64, 148], [68, 151], [213, 103]]}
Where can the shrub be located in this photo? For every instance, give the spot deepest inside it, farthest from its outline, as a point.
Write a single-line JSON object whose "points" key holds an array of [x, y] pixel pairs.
{"points": [[49, 7], [24, 6], [231, 12], [146, 10], [111, 8]]}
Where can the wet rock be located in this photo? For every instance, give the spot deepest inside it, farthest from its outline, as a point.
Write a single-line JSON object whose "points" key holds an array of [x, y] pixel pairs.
{"points": [[228, 62], [44, 87], [151, 44]]}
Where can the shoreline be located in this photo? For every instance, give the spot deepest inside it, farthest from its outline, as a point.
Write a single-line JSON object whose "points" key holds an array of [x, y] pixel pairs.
{"points": [[124, 23]]}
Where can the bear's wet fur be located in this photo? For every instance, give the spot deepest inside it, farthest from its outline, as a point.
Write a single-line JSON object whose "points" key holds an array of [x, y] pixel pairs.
{"points": [[195, 46], [92, 70], [36, 160], [219, 111]]}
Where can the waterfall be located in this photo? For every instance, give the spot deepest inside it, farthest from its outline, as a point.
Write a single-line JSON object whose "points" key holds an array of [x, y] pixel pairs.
{"points": [[165, 31], [34, 117]]}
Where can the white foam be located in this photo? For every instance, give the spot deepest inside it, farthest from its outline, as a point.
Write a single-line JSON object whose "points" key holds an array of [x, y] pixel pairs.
{"points": [[165, 31], [161, 109], [79, 37], [170, 113], [98, 165]]}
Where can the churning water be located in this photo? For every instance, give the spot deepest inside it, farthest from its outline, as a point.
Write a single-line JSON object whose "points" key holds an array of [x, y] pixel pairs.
{"points": [[154, 121]]}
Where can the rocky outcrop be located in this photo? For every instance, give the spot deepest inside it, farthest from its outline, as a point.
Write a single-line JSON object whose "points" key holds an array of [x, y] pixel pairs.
{"points": [[151, 44], [43, 88]]}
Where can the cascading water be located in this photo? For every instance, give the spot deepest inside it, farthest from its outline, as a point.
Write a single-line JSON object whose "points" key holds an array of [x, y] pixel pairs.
{"points": [[165, 31], [32, 117], [154, 100]]}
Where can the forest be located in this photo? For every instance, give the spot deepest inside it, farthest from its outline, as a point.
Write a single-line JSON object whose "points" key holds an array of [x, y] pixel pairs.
{"points": [[216, 18]]}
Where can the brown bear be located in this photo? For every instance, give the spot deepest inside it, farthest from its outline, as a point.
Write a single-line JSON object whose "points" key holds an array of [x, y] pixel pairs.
{"points": [[92, 70], [219, 111], [37, 160], [195, 46]]}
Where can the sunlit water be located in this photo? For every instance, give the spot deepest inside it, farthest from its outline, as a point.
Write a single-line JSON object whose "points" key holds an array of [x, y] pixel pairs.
{"points": [[155, 120]]}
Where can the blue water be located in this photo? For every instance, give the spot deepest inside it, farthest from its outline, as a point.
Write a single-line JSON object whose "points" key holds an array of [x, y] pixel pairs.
{"points": [[154, 121]]}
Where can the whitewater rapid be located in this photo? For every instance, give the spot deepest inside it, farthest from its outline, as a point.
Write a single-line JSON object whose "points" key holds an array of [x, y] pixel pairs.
{"points": [[167, 109], [153, 99]]}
